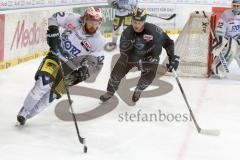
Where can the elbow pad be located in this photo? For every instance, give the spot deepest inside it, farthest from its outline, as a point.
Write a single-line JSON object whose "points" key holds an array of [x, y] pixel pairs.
{"points": [[169, 47]]}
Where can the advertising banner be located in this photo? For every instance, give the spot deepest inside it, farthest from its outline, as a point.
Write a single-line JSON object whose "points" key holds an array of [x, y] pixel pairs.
{"points": [[19, 4], [194, 2], [161, 11], [2, 22], [107, 25], [25, 32]]}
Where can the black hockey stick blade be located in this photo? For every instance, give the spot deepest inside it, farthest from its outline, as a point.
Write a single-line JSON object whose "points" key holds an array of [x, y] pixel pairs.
{"points": [[211, 132], [85, 149], [82, 140], [167, 18]]}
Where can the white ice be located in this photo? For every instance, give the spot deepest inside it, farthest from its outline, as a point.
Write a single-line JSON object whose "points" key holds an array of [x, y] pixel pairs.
{"points": [[214, 102]]}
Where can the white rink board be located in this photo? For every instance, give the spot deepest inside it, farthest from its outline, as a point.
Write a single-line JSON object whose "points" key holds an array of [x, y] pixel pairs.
{"points": [[165, 10]]}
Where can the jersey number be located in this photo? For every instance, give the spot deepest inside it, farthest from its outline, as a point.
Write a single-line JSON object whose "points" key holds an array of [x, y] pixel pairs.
{"points": [[220, 25]]}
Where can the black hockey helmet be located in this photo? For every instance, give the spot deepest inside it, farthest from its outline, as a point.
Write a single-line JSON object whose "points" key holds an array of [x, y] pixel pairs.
{"points": [[139, 14], [235, 5], [236, 2]]}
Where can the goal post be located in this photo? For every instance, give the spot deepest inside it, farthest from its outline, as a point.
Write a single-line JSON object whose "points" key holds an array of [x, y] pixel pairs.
{"points": [[193, 45]]}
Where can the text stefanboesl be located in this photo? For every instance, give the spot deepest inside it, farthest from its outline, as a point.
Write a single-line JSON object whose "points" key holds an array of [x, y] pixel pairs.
{"points": [[158, 116]]}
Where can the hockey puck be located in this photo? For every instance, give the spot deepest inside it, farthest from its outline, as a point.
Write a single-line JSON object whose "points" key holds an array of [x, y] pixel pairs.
{"points": [[110, 46], [85, 149]]}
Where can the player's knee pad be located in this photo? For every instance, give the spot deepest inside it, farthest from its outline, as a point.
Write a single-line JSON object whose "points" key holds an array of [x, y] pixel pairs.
{"points": [[49, 68]]}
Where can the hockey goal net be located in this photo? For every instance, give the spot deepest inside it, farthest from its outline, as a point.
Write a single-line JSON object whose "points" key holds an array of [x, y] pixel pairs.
{"points": [[193, 45]]}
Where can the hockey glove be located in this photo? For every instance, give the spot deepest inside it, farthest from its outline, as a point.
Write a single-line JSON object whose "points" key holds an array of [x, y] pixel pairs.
{"points": [[83, 73], [53, 38], [173, 63], [115, 4], [94, 63], [77, 76]]}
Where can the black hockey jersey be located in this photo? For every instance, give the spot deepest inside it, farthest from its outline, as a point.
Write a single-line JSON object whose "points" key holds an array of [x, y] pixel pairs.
{"points": [[147, 43]]}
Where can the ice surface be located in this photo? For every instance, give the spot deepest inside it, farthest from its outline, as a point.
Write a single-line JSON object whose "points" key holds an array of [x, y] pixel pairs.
{"points": [[214, 102]]}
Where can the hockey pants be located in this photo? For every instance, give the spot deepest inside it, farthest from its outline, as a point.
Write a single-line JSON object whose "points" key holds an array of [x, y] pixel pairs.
{"points": [[122, 67], [37, 99]]}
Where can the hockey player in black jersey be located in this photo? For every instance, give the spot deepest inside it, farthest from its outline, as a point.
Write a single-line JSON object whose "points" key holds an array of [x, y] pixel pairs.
{"points": [[140, 46]]}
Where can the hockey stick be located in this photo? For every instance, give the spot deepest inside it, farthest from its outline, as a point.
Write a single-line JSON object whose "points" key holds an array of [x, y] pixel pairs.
{"points": [[81, 140], [224, 62], [151, 15], [213, 132], [164, 18]]}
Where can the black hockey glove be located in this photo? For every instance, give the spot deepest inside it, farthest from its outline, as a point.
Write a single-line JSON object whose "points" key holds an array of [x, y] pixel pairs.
{"points": [[77, 76], [173, 63], [53, 38], [115, 4], [83, 73]]}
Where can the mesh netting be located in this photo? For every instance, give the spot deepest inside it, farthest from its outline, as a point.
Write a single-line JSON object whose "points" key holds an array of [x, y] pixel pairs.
{"points": [[192, 46]]}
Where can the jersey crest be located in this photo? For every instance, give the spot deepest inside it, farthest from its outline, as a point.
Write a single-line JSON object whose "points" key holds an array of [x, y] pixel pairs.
{"points": [[86, 45], [147, 37]]}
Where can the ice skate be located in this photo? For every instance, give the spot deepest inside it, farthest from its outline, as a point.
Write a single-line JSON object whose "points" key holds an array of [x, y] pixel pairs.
{"points": [[136, 95], [105, 97]]}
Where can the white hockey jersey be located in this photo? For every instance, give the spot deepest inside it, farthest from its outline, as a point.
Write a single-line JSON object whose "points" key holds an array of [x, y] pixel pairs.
{"points": [[126, 7], [228, 25], [74, 41]]}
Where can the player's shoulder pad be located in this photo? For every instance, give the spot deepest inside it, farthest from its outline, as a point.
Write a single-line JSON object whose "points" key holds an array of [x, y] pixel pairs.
{"points": [[153, 29], [72, 15], [98, 34], [99, 38]]}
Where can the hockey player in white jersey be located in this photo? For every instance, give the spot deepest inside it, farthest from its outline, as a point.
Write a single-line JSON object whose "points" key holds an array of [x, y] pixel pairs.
{"points": [[123, 11], [228, 37], [80, 50]]}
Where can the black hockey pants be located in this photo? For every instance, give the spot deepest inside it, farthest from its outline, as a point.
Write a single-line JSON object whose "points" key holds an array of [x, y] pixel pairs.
{"points": [[122, 67]]}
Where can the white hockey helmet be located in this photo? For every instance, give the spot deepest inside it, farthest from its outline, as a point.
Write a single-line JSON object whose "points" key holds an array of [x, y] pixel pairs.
{"points": [[94, 14], [235, 2]]}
